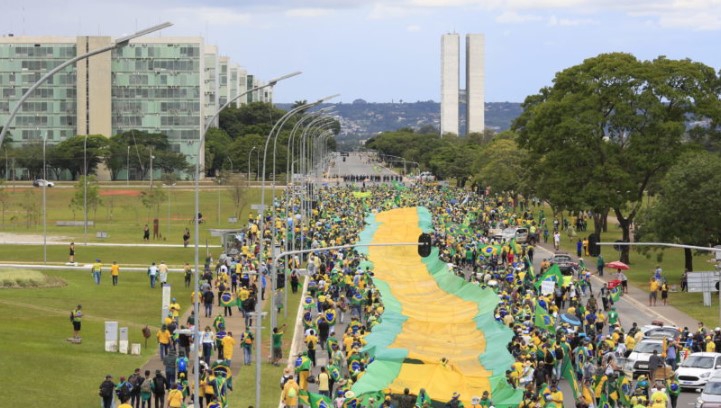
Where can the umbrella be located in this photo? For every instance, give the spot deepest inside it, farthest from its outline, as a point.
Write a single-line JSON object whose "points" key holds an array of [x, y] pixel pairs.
{"points": [[618, 265], [570, 319]]}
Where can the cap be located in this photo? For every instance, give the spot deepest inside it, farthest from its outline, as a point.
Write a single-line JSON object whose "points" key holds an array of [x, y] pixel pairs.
{"points": [[456, 395]]}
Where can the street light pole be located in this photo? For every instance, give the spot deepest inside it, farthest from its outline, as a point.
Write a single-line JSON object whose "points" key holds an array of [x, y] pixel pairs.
{"points": [[251, 151], [85, 190], [120, 42], [127, 174], [45, 211], [196, 305]]}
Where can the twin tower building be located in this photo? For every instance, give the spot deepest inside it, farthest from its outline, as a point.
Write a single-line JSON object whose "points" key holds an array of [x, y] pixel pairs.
{"points": [[462, 110]]}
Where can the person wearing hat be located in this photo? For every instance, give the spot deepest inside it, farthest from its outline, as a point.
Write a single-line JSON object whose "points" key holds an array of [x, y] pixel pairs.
{"points": [[105, 391], [290, 393], [287, 375], [174, 308]]}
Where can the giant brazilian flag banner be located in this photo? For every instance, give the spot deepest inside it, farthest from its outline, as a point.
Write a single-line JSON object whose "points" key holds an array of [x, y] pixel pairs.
{"points": [[438, 332]]}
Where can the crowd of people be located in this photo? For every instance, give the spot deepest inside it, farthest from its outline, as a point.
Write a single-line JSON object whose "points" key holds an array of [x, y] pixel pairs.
{"points": [[570, 332]]}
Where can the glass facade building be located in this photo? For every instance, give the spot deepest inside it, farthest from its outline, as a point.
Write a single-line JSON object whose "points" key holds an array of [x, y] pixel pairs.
{"points": [[160, 85]]}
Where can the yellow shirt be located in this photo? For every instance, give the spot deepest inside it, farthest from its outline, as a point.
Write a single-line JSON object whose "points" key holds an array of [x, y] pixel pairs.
{"points": [[653, 287], [175, 398], [114, 269], [175, 309], [557, 397], [163, 336], [710, 347], [125, 405], [228, 344]]}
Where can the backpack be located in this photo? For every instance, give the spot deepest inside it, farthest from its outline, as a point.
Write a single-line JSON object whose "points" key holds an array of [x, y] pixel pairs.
{"points": [[146, 386], [182, 365]]}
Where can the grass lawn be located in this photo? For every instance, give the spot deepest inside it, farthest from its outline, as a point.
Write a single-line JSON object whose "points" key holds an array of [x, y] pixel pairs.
{"points": [[642, 266], [122, 213], [36, 325]]}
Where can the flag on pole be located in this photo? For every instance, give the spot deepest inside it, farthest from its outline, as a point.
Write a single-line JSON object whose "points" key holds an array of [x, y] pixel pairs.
{"points": [[553, 273]]}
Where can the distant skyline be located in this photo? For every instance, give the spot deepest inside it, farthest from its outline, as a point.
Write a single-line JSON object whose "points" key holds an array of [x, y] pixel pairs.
{"points": [[383, 51]]}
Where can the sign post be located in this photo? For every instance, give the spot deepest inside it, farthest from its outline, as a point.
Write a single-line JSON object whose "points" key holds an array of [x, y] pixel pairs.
{"points": [[111, 337]]}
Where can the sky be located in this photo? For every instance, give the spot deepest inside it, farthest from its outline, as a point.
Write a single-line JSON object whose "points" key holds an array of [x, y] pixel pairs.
{"points": [[389, 50]]}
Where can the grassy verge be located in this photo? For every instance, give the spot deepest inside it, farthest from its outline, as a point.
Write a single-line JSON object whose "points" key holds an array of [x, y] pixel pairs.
{"points": [[35, 328], [643, 265]]}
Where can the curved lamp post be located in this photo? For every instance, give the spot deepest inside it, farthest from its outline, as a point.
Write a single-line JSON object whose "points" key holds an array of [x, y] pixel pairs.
{"points": [[251, 151], [258, 308], [196, 306]]}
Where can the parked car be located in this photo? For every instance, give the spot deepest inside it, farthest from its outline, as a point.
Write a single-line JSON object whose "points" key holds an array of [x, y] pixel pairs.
{"points": [[660, 332], [711, 393], [565, 263], [637, 361], [426, 176], [697, 368], [43, 183]]}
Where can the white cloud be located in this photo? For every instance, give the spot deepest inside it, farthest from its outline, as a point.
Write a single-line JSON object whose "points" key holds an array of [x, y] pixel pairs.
{"points": [[570, 22], [308, 12], [511, 17], [218, 15]]}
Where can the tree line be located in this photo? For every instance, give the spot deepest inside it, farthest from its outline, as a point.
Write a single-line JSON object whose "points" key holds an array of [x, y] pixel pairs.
{"points": [[639, 140]]}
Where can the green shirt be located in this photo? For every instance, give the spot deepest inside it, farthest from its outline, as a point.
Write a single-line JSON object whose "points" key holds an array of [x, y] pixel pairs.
{"points": [[277, 340]]}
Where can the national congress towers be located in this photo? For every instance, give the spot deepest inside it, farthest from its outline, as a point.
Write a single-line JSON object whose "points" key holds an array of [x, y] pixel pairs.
{"points": [[452, 96]]}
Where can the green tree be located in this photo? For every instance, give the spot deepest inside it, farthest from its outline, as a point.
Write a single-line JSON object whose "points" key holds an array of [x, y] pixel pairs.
{"points": [[501, 165], [152, 199], [216, 151], [31, 206], [610, 127], [136, 147], [81, 197], [71, 154], [686, 211]]}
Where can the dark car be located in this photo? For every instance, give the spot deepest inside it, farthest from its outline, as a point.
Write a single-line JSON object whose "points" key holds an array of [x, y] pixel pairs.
{"points": [[565, 263]]}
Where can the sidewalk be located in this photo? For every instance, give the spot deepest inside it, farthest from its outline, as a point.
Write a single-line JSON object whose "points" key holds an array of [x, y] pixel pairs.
{"points": [[636, 296], [235, 324]]}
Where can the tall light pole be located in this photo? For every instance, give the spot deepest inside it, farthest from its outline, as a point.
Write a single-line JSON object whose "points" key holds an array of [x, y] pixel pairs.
{"points": [[85, 190], [251, 151], [45, 212], [127, 174], [120, 42], [196, 306], [258, 307]]}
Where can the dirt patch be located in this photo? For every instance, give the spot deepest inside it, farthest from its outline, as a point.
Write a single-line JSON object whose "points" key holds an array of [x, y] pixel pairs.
{"points": [[124, 193], [10, 238]]}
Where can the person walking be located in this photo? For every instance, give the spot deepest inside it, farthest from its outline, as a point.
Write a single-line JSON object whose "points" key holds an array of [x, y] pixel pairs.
{"points": [[652, 292], [152, 274], [160, 384], [188, 272], [76, 317], [246, 344], [106, 391], [71, 253], [277, 345], [115, 272], [600, 263], [186, 238], [146, 233], [664, 292], [96, 270], [207, 339], [163, 273], [169, 362]]}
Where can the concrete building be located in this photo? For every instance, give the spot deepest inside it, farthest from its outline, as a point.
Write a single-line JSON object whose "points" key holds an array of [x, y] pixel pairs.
{"points": [[169, 85], [475, 83], [450, 83], [452, 95]]}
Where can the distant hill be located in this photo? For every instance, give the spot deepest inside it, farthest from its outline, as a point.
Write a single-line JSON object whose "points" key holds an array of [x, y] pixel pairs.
{"points": [[361, 119]]}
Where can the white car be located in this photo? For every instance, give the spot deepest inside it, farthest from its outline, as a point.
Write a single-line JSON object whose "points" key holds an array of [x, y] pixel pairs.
{"points": [[711, 394], [696, 370], [43, 183], [637, 361]]}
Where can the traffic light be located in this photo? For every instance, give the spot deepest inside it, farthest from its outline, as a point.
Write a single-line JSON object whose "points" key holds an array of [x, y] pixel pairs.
{"points": [[424, 245]]}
